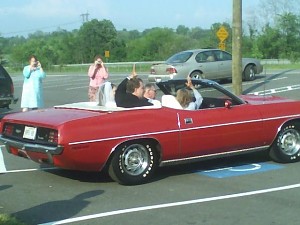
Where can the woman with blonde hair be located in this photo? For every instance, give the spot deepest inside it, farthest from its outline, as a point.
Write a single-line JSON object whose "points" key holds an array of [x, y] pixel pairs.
{"points": [[185, 98]]}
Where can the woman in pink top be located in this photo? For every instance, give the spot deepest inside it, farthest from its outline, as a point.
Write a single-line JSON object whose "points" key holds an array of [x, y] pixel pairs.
{"points": [[98, 74]]}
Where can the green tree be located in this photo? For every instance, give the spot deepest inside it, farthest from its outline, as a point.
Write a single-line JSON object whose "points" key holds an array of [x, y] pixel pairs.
{"points": [[289, 27], [150, 46], [183, 30], [270, 42], [95, 37]]}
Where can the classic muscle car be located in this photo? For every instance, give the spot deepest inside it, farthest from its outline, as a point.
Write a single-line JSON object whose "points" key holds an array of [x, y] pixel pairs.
{"points": [[131, 143]]}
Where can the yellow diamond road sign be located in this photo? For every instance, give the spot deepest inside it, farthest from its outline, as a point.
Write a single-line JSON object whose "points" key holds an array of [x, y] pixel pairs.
{"points": [[106, 54], [222, 34]]}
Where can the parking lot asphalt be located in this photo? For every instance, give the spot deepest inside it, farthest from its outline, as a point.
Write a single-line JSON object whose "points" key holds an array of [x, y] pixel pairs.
{"points": [[248, 189]]}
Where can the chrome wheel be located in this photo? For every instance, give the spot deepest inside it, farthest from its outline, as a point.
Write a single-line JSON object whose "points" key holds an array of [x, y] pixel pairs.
{"points": [[289, 142], [249, 73], [286, 147], [134, 160]]}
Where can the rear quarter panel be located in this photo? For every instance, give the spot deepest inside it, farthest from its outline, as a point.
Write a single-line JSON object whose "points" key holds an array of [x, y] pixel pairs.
{"points": [[89, 142]]}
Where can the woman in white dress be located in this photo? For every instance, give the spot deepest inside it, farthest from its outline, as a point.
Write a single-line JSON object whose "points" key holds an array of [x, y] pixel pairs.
{"points": [[107, 95]]}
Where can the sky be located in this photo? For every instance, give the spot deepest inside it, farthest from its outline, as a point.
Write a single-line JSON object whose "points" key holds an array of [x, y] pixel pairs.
{"points": [[20, 17]]}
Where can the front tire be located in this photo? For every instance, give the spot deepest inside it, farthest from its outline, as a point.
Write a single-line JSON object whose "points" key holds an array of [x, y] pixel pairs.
{"points": [[249, 73], [133, 163], [286, 147]]}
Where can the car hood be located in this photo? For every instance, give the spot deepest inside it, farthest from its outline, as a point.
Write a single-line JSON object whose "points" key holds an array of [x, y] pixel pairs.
{"points": [[257, 100]]}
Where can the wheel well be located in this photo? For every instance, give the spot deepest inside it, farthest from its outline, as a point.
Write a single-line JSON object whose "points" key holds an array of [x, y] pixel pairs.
{"points": [[287, 122], [151, 141], [284, 124], [250, 64], [196, 71]]}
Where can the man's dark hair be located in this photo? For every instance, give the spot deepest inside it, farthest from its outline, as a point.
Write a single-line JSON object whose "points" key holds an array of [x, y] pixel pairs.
{"points": [[133, 84]]}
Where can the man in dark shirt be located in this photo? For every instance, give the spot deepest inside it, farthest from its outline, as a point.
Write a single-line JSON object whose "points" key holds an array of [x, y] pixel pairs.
{"points": [[130, 93]]}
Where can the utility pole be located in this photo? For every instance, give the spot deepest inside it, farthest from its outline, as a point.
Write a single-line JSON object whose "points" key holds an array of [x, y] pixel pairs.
{"points": [[85, 17], [237, 47]]}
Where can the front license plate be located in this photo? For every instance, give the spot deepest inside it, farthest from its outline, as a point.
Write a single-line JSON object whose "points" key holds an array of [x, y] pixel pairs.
{"points": [[29, 133]]}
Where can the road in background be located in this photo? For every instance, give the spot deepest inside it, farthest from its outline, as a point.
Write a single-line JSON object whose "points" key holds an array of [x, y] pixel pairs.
{"points": [[246, 190]]}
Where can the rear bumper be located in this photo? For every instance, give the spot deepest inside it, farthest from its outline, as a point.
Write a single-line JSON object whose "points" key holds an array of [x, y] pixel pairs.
{"points": [[53, 150], [160, 78], [6, 101]]}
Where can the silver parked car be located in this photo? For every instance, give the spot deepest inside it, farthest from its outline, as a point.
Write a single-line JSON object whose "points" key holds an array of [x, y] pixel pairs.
{"points": [[213, 64]]}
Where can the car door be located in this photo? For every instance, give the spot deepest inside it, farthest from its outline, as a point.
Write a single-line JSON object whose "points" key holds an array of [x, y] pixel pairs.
{"points": [[215, 129], [206, 62], [224, 64]]}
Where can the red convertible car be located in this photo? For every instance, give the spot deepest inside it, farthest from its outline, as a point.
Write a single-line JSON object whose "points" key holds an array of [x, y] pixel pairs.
{"points": [[131, 143]]}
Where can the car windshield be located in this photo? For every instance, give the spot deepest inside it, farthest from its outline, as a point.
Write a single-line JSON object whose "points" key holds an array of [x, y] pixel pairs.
{"points": [[180, 57], [214, 96]]}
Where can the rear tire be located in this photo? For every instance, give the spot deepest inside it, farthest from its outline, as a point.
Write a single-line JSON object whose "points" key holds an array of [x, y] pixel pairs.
{"points": [[197, 75], [133, 163], [286, 147]]}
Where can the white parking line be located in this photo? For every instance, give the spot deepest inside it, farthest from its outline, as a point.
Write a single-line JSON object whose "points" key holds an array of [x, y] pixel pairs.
{"points": [[30, 170], [2, 164], [257, 82], [277, 90], [73, 88], [167, 205]]}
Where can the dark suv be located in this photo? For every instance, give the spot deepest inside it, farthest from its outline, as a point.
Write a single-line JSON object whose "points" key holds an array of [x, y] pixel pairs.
{"points": [[6, 89]]}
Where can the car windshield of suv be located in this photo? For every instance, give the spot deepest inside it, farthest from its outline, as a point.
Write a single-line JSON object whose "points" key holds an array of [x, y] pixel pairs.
{"points": [[180, 57], [2, 73]]}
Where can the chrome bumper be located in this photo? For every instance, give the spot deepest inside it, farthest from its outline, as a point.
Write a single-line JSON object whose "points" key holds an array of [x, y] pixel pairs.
{"points": [[160, 78], [55, 150]]}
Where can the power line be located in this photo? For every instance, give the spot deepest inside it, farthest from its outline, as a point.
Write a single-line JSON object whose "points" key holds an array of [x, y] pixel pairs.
{"points": [[40, 28]]}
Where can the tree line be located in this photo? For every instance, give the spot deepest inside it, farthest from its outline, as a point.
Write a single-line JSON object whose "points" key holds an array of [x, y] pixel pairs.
{"points": [[276, 38]]}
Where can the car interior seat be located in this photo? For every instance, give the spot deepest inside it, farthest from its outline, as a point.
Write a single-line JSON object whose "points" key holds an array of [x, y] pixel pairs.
{"points": [[170, 101], [210, 58]]}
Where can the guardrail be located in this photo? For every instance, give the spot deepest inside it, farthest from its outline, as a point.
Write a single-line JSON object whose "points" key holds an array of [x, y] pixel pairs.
{"points": [[149, 63], [112, 67], [141, 67], [275, 61], [126, 67]]}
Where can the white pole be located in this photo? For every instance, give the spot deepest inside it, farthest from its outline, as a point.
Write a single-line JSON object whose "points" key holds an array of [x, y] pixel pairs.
{"points": [[2, 165]]}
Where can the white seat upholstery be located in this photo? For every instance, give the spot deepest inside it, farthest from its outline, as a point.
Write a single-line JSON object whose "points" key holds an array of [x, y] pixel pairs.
{"points": [[210, 58], [170, 101]]}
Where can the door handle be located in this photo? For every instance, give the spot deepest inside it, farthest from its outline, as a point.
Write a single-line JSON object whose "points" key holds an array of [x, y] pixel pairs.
{"points": [[188, 120]]}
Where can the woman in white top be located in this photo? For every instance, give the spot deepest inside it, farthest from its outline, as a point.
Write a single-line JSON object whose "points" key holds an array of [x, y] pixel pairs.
{"points": [[185, 98]]}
